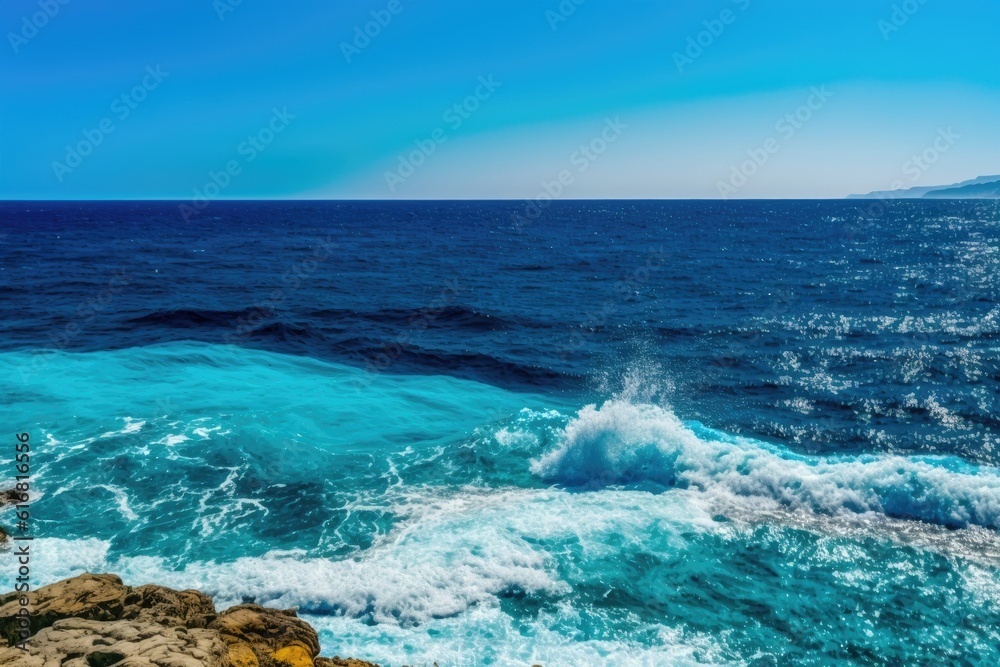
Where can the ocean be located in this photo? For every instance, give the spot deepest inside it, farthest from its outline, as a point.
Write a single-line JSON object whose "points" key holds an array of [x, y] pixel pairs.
{"points": [[485, 433]]}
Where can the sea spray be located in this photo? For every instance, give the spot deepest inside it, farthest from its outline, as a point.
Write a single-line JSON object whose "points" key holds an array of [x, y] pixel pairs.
{"points": [[622, 443]]}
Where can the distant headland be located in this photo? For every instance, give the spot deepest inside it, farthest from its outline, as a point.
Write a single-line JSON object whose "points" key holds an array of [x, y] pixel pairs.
{"points": [[984, 187]]}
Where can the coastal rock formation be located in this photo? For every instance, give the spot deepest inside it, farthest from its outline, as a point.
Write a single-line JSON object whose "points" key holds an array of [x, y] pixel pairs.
{"points": [[157, 604], [103, 597], [339, 662], [10, 497], [98, 621], [74, 642], [256, 635], [89, 597]]}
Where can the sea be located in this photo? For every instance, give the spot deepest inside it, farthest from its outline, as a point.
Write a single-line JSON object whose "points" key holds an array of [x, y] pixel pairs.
{"points": [[495, 433]]}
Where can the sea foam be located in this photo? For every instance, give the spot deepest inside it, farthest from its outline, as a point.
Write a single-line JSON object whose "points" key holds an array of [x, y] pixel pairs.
{"points": [[621, 443]]}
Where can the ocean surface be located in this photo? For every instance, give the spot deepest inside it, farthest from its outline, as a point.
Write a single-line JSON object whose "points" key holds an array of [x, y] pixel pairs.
{"points": [[615, 433]]}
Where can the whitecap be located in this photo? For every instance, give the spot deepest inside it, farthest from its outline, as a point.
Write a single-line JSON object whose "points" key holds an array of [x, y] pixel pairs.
{"points": [[625, 443]]}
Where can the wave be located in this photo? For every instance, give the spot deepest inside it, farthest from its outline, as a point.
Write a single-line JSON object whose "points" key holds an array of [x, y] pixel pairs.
{"points": [[442, 583], [375, 354], [455, 551], [455, 317], [621, 443], [452, 317], [192, 317], [524, 576], [401, 340]]}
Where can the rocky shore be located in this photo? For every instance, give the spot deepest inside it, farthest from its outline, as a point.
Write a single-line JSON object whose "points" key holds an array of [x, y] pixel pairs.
{"points": [[95, 620]]}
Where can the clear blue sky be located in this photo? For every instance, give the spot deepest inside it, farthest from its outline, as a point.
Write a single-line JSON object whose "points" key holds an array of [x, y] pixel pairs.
{"points": [[605, 76]]}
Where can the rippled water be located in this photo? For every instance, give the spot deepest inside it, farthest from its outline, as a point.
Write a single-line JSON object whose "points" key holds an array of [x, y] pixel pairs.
{"points": [[624, 433]]}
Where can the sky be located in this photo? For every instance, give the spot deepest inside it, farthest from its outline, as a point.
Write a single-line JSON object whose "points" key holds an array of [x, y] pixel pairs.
{"points": [[494, 99]]}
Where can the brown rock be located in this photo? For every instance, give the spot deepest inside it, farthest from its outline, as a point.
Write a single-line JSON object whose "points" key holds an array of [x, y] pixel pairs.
{"points": [[342, 662], [75, 642], [259, 637], [94, 597], [95, 620], [10, 497], [189, 609], [103, 597]]}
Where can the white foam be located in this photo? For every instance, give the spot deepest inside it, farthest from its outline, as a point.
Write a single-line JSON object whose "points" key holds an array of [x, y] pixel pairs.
{"points": [[455, 552], [121, 500], [172, 439], [205, 433], [460, 620], [488, 636], [625, 443], [131, 426], [433, 586]]}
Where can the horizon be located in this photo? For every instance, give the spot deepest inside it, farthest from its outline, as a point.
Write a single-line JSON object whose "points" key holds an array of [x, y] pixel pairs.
{"points": [[574, 100], [511, 200], [868, 196]]}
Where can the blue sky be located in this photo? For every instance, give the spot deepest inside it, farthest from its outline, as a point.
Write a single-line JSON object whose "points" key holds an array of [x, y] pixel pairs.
{"points": [[251, 99]]}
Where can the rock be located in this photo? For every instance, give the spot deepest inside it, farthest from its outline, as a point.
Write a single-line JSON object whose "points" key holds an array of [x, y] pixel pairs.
{"points": [[189, 609], [259, 637], [103, 597], [95, 620], [10, 497], [74, 642], [92, 597], [341, 662]]}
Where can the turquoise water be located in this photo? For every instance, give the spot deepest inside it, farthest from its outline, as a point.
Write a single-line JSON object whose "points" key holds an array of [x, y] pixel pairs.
{"points": [[622, 433], [422, 516]]}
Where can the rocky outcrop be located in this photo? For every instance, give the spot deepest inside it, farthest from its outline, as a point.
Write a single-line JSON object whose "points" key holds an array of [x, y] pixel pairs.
{"points": [[98, 621], [10, 497], [89, 597], [157, 604], [75, 642], [256, 635], [103, 597], [340, 662]]}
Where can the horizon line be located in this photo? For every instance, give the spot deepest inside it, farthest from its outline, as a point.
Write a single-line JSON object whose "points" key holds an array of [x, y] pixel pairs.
{"points": [[865, 197]]}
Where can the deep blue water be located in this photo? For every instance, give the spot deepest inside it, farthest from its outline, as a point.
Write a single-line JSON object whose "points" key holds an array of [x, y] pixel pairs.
{"points": [[626, 433]]}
